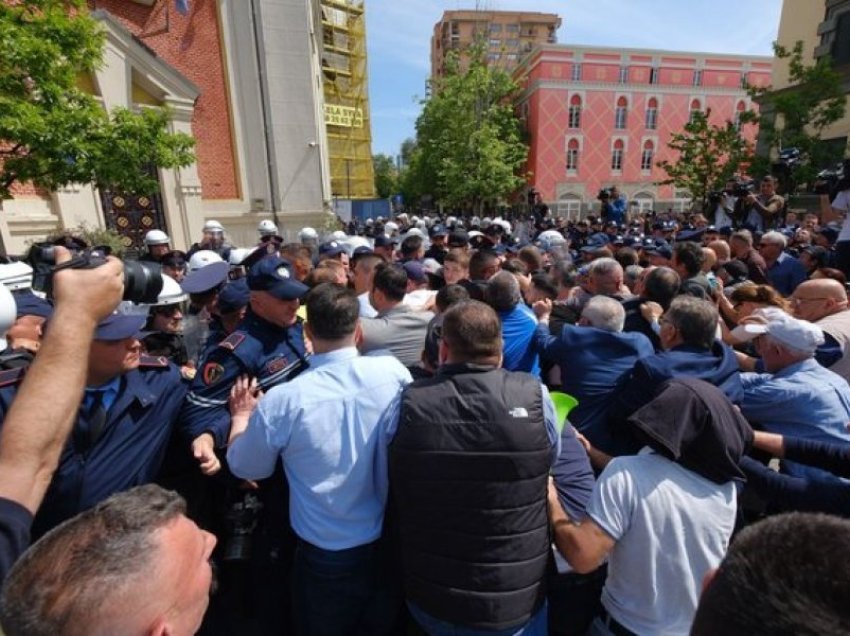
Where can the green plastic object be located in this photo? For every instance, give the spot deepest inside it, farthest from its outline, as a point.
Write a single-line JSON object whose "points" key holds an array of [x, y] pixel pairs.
{"points": [[564, 403]]}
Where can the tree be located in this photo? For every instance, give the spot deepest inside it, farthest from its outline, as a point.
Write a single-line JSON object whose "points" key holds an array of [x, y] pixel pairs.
{"points": [[797, 116], [707, 155], [386, 175], [53, 133], [469, 145]]}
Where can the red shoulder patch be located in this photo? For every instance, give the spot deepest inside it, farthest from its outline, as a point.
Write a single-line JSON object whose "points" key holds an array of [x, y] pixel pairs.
{"points": [[232, 341], [212, 373], [12, 376]]}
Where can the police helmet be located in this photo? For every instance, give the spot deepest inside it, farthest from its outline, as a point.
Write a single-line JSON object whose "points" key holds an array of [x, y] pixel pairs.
{"points": [[202, 258], [266, 227], [213, 226], [308, 234], [171, 293], [156, 237]]}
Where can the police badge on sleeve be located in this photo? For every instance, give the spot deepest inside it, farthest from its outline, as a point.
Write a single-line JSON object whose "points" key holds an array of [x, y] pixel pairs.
{"points": [[212, 373]]}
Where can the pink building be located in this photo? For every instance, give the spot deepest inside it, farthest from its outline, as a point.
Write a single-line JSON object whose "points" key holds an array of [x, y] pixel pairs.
{"points": [[599, 117]]}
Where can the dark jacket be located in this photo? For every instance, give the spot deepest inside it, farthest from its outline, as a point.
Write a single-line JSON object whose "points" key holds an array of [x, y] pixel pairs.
{"points": [[469, 466]]}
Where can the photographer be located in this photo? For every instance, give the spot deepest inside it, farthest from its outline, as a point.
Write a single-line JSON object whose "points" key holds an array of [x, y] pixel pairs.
{"points": [[37, 425], [763, 211], [722, 205], [614, 206], [836, 210]]}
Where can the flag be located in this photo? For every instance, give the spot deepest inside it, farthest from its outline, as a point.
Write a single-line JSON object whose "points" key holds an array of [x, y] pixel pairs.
{"points": [[182, 6]]}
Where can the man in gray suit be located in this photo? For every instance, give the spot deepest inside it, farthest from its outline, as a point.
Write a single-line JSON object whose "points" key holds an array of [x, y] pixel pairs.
{"points": [[397, 328]]}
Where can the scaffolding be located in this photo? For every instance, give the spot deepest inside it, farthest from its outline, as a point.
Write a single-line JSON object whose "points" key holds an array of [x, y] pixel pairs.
{"points": [[346, 93]]}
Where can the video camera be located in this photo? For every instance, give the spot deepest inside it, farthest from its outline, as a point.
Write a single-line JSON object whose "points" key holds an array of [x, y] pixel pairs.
{"points": [[604, 194], [142, 280]]}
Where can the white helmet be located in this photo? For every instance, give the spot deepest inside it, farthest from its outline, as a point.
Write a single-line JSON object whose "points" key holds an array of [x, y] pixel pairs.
{"points": [[156, 237], [266, 227], [171, 293], [338, 235], [308, 234], [551, 238], [17, 275], [238, 254], [202, 258], [414, 219], [421, 224], [505, 224], [451, 220], [485, 222], [415, 231], [370, 221], [213, 226], [390, 227]]}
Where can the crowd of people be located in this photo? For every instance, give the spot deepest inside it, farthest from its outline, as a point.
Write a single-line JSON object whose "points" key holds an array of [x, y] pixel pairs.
{"points": [[359, 432]]}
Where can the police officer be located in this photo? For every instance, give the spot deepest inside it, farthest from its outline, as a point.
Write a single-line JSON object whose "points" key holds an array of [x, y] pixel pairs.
{"points": [[165, 324], [203, 285], [157, 244], [268, 345], [125, 420]]}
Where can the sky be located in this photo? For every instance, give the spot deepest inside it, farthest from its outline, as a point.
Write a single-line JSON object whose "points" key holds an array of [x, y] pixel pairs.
{"points": [[399, 41]]}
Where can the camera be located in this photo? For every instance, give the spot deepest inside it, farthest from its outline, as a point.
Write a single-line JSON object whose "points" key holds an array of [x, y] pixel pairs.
{"points": [[742, 189], [142, 280], [604, 194]]}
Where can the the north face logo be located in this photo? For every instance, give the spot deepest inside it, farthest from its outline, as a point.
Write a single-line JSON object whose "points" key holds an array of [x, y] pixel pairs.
{"points": [[518, 411]]}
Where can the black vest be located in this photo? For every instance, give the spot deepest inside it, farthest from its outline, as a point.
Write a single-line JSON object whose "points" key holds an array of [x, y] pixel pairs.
{"points": [[468, 468]]}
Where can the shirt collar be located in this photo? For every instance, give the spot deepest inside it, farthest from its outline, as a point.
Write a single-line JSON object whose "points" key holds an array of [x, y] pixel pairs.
{"points": [[337, 355]]}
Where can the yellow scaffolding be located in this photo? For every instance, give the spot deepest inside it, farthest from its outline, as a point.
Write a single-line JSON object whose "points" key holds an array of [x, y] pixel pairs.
{"points": [[347, 98]]}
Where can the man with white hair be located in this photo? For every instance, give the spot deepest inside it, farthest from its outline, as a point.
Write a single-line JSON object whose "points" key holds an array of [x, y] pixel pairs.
{"points": [[796, 396], [594, 357], [784, 272]]}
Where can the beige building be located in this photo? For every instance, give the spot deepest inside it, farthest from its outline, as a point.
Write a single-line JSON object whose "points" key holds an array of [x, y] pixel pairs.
{"points": [[824, 28], [509, 35]]}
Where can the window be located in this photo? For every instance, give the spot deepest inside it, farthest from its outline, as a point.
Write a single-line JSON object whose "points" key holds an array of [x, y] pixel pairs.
{"points": [[572, 155], [652, 113], [512, 28], [653, 75], [575, 112], [681, 200], [495, 28], [644, 201], [744, 82], [698, 77], [493, 57], [617, 156], [494, 42], [647, 156], [620, 113], [576, 76], [624, 75], [512, 44], [739, 109], [696, 107], [569, 206]]}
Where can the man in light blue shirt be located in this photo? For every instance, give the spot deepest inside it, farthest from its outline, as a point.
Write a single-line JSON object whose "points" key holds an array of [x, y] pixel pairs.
{"points": [[323, 426], [797, 396]]}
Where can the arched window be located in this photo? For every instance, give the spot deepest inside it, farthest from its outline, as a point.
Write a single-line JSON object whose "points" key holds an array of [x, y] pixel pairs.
{"points": [[739, 110], [652, 113], [569, 206], [696, 107], [647, 156], [620, 113], [572, 155], [645, 201], [575, 112], [617, 156]]}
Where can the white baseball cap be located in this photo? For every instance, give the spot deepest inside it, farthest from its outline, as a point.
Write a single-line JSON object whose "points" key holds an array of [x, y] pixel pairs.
{"points": [[800, 335]]}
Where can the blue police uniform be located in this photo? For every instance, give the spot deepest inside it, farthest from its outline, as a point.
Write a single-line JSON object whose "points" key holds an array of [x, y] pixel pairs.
{"points": [[257, 347], [128, 451]]}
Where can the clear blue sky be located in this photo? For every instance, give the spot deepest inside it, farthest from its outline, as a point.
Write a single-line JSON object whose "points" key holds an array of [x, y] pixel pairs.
{"points": [[399, 40]]}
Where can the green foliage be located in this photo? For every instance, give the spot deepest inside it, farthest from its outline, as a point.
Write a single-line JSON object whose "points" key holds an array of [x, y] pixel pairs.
{"points": [[707, 156], [94, 236], [386, 175], [469, 147], [53, 132], [797, 116]]}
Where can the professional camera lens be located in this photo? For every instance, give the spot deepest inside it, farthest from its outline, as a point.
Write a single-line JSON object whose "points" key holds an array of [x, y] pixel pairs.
{"points": [[142, 281]]}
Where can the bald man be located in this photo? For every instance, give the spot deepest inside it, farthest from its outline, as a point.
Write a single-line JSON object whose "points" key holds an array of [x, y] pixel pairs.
{"points": [[823, 301]]}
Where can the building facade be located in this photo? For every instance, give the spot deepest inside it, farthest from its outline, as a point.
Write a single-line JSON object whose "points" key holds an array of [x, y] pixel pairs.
{"points": [[598, 117], [243, 77], [508, 35], [823, 26]]}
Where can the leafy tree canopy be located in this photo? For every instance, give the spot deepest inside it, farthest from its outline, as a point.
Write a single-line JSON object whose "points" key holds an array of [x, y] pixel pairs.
{"points": [[386, 175], [53, 133]]}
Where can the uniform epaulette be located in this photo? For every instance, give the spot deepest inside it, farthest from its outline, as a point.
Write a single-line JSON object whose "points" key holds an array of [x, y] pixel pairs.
{"points": [[12, 376], [153, 362], [233, 340]]}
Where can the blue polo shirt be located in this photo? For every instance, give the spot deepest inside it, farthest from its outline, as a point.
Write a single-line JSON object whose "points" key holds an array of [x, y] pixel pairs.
{"points": [[518, 328], [786, 273]]}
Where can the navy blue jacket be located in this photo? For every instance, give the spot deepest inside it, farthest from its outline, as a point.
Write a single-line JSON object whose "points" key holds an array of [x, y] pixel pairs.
{"points": [[594, 364], [258, 348], [717, 366], [128, 453]]}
